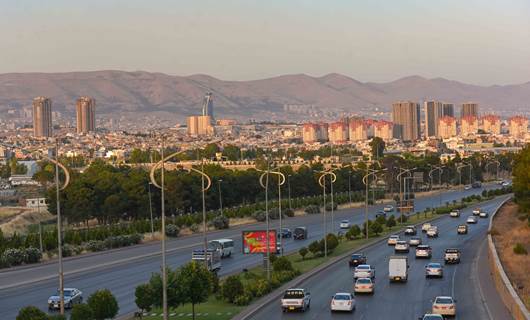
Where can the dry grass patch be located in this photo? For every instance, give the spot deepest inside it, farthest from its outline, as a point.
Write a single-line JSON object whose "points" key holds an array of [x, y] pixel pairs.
{"points": [[509, 231], [19, 218]]}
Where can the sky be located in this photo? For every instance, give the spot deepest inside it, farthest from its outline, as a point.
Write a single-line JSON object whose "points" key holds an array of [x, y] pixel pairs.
{"points": [[482, 42]]}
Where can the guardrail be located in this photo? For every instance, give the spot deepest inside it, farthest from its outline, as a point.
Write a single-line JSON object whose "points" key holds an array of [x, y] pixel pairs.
{"points": [[509, 296]]}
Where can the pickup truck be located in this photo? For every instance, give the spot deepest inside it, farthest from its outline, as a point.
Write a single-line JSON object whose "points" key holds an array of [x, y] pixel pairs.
{"points": [[296, 299], [452, 255], [213, 258]]}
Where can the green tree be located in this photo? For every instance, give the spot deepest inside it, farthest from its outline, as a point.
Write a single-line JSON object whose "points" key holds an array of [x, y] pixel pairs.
{"points": [[353, 232], [282, 264], [232, 288], [521, 181], [376, 228], [378, 147], [143, 297], [314, 248], [391, 222], [195, 283], [231, 152], [173, 289], [31, 313], [103, 304], [81, 312], [303, 252]]}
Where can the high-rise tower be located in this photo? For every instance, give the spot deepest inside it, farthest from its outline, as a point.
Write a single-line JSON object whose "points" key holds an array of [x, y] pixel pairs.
{"points": [[406, 118], [42, 117], [86, 114], [207, 105]]}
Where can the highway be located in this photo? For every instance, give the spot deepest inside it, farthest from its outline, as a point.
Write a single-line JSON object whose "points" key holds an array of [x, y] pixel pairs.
{"points": [[469, 282], [121, 270]]}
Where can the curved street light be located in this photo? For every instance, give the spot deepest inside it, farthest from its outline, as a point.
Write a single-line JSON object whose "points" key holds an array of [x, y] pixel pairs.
{"points": [[322, 183], [497, 163], [281, 181], [402, 190]]}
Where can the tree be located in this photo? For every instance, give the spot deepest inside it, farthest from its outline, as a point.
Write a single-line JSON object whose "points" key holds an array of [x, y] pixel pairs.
{"points": [[376, 228], [81, 312], [231, 152], [314, 248], [195, 283], [103, 304], [173, 289], [521, 181], [391, 222], [282, 264], [353, 232], [31, 313], [378, 147], [332, 242], [232, 288], [143, 297], [303, 252]]}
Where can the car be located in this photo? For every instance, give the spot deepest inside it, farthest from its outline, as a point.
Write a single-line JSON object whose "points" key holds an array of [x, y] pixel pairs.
{"points": [[380, 214], [425, 227], [388, 208], [467, 187], [296, 299], [444, 305], [506, 184], [345, 224], [285, 233], [364, 285], [401, 246], [342, 301], [415, 241], [471, 220], [300, 233], [363, 271], [476, 211], [452, 255], [430, 316], [476, 185], [483, 214], [410, 230], [434, 269], [432, 232], [71, 296], [392, 240], [357, 259], [455, 213], [462, 229], [423, 251]]}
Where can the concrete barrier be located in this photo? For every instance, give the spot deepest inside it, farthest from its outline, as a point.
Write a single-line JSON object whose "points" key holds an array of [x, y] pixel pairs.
{"points": [[502, 283]]}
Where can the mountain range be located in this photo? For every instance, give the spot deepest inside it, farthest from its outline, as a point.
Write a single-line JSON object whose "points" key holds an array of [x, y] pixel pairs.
{"points": [[121, 92]]}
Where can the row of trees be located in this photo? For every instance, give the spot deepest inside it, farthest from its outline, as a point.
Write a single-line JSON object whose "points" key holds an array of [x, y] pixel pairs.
{"points": [[521, 182]]}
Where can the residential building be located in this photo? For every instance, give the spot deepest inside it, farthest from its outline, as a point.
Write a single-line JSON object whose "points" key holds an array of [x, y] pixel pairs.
{"points": [[358, 129], [434, 110], [446, 127], [469, 109], [448, 109], [315, 132], [226, 122], [406, 119], [383, 129], [338, 132], [86, 114], [518, 127], [42, 117], [468, 126], [491, 124], [200, 126]]}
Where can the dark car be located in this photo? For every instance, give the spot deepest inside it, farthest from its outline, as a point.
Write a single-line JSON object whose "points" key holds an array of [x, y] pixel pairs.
{"points": [[357, 259], [380, 214], [300, 233], [285, 233], [476, 185]]}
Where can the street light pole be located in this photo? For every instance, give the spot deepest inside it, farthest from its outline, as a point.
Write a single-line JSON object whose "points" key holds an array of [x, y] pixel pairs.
{"points": [[220, 196], [289, 190], [163, 230], [151, 211], [349, 187], [267, 222], [322, 183], [59, 229]]}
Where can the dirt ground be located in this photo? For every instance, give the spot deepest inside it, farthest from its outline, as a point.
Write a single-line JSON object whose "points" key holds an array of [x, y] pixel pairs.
{"points": [[19, 218], [507, 231]]}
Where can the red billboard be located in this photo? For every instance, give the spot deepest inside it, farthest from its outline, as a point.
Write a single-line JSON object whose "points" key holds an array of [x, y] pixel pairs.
{"points": [[256, 241]]}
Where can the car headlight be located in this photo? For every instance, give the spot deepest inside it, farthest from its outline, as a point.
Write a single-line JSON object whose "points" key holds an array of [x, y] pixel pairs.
{"points": [[49, 301]]}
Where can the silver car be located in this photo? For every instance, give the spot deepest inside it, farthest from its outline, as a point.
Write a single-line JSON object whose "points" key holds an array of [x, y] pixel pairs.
{"points": [[415, 241], [364, 271], [434, 269], [71, 296]]}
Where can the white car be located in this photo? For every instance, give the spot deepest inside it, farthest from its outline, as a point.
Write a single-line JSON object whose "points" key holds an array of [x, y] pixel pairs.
{"points": [[296, 299], [388, 208], [401, 246], [468, 187], [345, 224], [432, 232], [471, 219], [342, 301], [425, 227], [423, 251], [430, 316], [363, 271], [415, 241], [410, 230], [434, 269], [364, 285], [506, 184], [445, 306], [392, 240], [476, 211], [483, 214], [71, 296], [455, 213]]}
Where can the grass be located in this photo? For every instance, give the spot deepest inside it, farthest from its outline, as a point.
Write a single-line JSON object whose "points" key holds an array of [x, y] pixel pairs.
{"points": [[215, 310]]}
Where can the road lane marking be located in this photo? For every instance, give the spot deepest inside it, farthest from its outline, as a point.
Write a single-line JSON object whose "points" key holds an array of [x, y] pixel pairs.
{"points": [[481, 292]]}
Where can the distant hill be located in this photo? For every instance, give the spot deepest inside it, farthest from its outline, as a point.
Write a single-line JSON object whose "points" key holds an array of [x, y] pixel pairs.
{"points": [[142, 92]]}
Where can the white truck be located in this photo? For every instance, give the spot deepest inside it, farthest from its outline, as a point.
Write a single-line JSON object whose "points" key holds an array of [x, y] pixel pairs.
{"points": [[296, 299], [213, 258], [398, 268]]}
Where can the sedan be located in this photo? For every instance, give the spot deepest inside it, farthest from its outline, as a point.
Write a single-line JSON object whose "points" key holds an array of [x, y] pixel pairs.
{"points": [[71, 296], [423, 251], [476, 211], [483, 214], [432, 232], [471, 219], [434, 269], [388, 208], [430, 316], [345, 224], [364, 285], [392, 240], [357, 259], [415, 241], [342, 302], [455, 213], [445, 306], [285, 233], [425, 227], [468, 187], [364, 271], [401, 246], [410, 230], [462, 229]]}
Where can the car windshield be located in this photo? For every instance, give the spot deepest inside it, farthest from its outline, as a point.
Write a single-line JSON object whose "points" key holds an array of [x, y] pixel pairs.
{"points": [[422, 248], [363, 267], [299, 230], [342, 297], [401, 242], [356, 256], [414, 238], [432, 317], [443, 301], [451, 251], [364, 281], [67, 293], [394, 237], [434, 265], [345, 221], [293, 294]]}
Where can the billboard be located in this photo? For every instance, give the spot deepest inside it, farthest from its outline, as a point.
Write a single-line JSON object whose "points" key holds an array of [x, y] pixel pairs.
{"points": [[256, 241]]}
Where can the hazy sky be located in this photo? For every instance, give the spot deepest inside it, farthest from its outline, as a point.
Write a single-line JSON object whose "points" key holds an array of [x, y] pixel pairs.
{"points": [[476, 41]]}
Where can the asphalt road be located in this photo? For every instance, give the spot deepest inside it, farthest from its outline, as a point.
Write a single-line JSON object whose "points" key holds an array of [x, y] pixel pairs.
{"points": [[123, 269], [469, 282]]}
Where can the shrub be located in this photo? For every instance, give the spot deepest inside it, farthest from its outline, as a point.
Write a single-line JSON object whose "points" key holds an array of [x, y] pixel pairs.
{"points": [[391, 222], [288, 212], [282, 264], [314, 248], [520, 249], [143, 297], [67, 250], [403, 218], [328, 206], [194, 227], [353, 232], [242, 300], [31, 313], [172, 230], [221, 222], [232, 288], [312, 209], [332, 242], [57, 317], [259, 216], [262, 287], [13, 257], [103, 304], [303, 252], [274, 214], [95, 245], [32, 255], [376, 228], [81, 312]]}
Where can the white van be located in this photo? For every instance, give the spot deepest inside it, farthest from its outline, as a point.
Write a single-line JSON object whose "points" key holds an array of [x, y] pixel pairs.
{"points": [[225, 247], [398, 268]]}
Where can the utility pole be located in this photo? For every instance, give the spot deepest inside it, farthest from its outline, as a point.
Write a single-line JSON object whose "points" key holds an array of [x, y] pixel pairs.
{"points": [[289, 190], [220, 196], [163, 230], [151, 211], [204, 230], [325, 218], [59, 229], [267, 222]]}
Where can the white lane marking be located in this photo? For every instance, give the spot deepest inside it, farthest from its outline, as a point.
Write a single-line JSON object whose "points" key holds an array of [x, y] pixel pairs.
{"points": [[475, 270], [453, 282]]}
